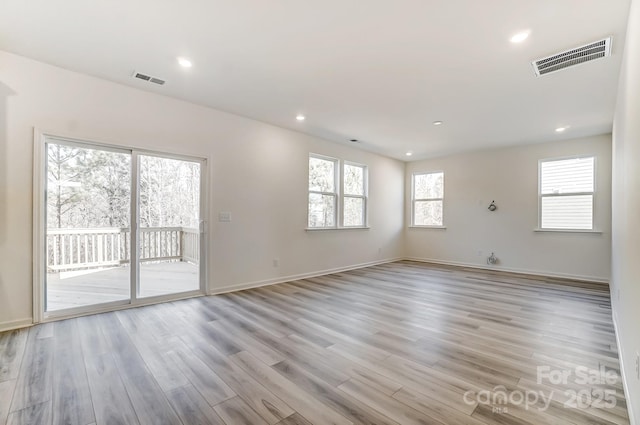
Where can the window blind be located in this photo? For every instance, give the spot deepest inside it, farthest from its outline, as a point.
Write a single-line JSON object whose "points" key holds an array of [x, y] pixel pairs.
{"points": [[566, 193]]}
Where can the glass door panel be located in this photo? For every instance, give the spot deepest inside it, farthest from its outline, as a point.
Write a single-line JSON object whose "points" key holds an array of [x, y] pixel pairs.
{"points": [[169, 230], [88, 206]]}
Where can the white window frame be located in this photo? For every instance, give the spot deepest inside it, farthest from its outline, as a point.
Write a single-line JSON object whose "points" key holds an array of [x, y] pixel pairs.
{"points": [[364, 196], [593, 195], [335, 194], [414, 200]]}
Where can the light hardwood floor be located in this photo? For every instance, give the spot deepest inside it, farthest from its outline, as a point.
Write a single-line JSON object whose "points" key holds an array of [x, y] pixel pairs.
{"points": [[400, 343]]}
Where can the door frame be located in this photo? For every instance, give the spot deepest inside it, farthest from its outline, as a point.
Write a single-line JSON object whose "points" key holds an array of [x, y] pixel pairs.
{"points": [[40, 140]]}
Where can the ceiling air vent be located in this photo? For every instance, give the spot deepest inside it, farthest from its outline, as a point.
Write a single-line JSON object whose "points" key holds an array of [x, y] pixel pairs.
{"points": [[576, 56], [148, 78]]}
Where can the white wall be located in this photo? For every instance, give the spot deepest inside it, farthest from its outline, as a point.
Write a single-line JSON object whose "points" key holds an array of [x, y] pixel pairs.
{"points": [[258, 172], [510, 177], [625, 273]]}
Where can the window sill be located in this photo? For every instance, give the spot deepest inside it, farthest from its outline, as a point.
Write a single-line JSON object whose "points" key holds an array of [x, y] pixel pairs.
{"points": [[538, 230], [428, 227], [316, 229]]}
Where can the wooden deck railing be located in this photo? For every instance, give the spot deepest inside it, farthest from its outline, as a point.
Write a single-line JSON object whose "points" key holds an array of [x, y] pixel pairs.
{"points": [[77, 249]]}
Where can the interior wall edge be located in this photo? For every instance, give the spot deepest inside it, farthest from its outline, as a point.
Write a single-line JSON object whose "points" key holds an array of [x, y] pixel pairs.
{"points": [[15, 324], [623, 370], [584, 278], [285, 279]]}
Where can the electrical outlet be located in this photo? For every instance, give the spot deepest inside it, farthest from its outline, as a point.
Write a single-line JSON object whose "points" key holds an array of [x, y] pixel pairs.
{"points": [[276, 262], [224, 216], [479, 253]]}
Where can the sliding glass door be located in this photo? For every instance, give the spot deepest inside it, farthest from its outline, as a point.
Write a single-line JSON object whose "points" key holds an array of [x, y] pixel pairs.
{"points": [[169, 216], [88, 205], [120, 226]]}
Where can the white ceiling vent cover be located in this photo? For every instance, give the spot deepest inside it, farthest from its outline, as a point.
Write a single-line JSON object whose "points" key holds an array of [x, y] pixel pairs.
{"points": [[148, 78], [576, 56]]}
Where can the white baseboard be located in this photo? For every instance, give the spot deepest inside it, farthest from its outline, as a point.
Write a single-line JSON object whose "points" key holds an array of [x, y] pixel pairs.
{"points": [[283, 279], [622, 369], [594, 279], [15, 324]]}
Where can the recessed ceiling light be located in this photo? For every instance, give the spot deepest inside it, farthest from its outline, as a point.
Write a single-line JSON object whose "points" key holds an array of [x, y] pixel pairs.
{"points": [[300, 117], [561, 129], [437, 123], [185, 63], [409, 153], [519, 37]]}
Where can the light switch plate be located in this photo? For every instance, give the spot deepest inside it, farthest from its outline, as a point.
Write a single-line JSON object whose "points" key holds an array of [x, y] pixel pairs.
{"points": [[224, 216]]}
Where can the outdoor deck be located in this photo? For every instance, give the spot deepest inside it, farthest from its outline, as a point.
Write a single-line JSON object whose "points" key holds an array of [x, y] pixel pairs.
{"points": [[95, 286], [91, 266]]}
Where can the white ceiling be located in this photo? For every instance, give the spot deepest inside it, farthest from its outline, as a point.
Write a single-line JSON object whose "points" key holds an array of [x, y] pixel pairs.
{"points": [[380, 71]]}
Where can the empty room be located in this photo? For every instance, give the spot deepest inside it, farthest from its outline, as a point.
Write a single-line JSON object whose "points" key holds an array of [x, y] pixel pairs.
{"points": [[340, 212]]}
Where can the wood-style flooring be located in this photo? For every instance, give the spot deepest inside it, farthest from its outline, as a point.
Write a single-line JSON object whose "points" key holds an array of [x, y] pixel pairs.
{"points": [[400, 343]]}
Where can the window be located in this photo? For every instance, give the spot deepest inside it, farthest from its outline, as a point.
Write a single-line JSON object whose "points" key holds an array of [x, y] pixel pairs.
{"points": [[354, 195], [428, 199], [323, 196], [324, 202], [566, 193]]}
